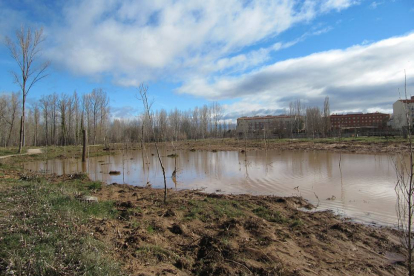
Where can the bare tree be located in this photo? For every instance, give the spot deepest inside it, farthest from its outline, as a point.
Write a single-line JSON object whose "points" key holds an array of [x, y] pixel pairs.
{"points": [[63, 106], [10, 105], [204, 119], [405, 191], [26, 52], [326, 117], [298, 107], [162, 124], [216, 113], [54, 113], [147, 108], [77, 118], [174, 119], [313, 121], [195, 123], [44, 105], [36, 122]]}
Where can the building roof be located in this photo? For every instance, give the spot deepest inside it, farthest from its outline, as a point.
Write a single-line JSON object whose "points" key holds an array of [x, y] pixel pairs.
{"points": [[408, 100], [359, 114]]}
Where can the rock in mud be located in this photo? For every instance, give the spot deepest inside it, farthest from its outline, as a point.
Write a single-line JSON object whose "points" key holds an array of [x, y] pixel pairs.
{"points": [[90, 199]]}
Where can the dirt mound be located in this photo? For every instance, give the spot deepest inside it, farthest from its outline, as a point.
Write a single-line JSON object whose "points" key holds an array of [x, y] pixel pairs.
{"points": [[196, 233]]}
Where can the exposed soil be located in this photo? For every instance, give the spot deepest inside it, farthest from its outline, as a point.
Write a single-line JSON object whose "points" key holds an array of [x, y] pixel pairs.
{"points": [[210, 234], [350, 146]]}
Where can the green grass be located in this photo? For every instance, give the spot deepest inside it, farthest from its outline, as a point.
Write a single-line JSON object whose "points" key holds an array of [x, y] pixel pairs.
{"points": [[155, 253], [150, 229], [296, 223], [211, 208], [41, 233], [269, 215], [8, 151], [50, 152]]}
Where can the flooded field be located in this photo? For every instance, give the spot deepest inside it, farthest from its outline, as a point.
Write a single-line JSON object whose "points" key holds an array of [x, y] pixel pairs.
{"points": [[362, 187]]}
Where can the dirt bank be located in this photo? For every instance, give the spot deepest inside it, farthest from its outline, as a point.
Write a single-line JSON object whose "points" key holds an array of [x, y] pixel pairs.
{"points": [[345, 145], [209, 234]]}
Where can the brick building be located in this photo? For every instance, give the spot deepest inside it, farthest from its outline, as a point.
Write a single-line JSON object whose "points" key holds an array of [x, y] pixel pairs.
{"points": [[360, 121]]}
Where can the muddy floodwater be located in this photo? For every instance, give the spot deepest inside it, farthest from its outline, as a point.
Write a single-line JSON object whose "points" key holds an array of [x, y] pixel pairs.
{"points": [[362, 187]]}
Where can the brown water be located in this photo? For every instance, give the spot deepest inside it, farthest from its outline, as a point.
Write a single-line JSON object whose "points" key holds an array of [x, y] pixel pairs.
{"points": [[361, 188]]}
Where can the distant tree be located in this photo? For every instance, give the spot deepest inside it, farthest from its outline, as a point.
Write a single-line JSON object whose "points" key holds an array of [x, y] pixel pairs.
{"points": [[9, 106], [174, 119], [26, 52], [36, 120], [313, 121], [195, 123], [298, 107], [63, 106], [204, 119], [216, 115], [326, 117]]}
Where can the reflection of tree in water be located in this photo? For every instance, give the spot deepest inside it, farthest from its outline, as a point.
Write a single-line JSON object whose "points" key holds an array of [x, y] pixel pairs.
{"points": [[268, 163], [318, 161], [342, 183], [296, 162], [247, 164]]}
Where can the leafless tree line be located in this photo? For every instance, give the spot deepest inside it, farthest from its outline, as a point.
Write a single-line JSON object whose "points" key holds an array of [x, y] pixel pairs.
{"points": [[312, 119], [198, 123], [58, 119]]}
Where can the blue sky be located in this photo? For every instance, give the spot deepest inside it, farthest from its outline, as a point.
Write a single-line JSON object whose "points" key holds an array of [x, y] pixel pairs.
{"points": [[253, 57]]}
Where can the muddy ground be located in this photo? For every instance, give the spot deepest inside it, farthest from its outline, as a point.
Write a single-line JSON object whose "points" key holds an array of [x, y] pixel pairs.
{"points": [[335, 145], [210, 234]]}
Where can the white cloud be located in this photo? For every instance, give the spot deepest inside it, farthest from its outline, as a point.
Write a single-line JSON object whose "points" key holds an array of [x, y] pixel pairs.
{"points": [[139, 41], [375, 4], [338, 4], [356, 78]]}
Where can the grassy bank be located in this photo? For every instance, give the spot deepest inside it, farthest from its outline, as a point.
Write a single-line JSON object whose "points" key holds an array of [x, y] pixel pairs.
{"points": [[44, 229]]}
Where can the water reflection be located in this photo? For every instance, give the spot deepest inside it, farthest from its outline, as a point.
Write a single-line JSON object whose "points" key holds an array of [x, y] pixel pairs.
{"points": [[361, 185]]}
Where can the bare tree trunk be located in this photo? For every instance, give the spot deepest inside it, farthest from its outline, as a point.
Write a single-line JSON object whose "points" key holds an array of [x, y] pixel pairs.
{"points": [[143, 92], [84, 145], [21, 141]]}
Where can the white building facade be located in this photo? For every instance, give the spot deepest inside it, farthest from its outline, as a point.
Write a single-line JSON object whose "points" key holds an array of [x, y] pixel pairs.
{"points": [[400, 110]]}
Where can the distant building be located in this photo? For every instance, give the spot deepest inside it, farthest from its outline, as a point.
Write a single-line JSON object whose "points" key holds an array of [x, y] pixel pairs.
{"points": [[270, 126], [365, 121], [400, 109]]}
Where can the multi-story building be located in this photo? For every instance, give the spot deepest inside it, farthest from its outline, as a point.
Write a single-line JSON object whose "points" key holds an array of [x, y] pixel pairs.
{"points": [[401, 109], [271, 125], [360, 121]]}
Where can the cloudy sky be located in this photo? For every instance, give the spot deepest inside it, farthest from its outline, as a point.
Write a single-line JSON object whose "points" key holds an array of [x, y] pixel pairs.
{"points": [[253, 57]]}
